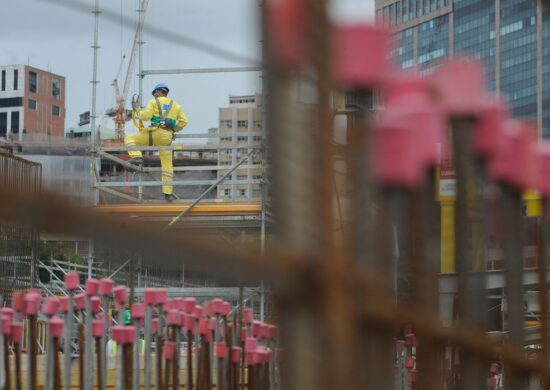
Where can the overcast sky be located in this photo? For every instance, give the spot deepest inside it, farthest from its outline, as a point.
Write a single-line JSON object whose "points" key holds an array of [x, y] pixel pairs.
{"points": [[48, 35]]}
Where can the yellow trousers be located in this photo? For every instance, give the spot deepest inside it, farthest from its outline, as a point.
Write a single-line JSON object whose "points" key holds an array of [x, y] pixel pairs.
{"points": [[154, 136]]}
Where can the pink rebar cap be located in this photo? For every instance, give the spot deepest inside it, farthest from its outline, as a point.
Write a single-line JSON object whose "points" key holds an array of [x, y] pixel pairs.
{"points": [[6, 324], [95, 303], [203, 327], [286, 38], [92, 287], [169, 350], [18, 301], [256, 325], [16, 331], [124, 334], [72, 281], [198, 311], [226, 309], [173, 318], [460, 87], [250, 344], [80, 301], [160, 296], [212, 324], [32, 303], [64, 304], [120, 294], [138, 310], [360, 55], [189, 305], [247, 315], [236, 354], [155, 325], [149, 296], [220, 350], [106, 287], [50, 306], [216, 305], [244, 334], [55, 327], [189, 321], [98, 328], [487, 131]]}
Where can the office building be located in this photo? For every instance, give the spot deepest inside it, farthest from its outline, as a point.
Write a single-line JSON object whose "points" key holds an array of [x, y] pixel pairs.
{"points": [[511, 38], [32, 101]]}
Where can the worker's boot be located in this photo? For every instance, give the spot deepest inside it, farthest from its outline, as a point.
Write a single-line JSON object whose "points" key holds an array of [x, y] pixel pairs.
{"points": [[138, 161], [169, 198]]}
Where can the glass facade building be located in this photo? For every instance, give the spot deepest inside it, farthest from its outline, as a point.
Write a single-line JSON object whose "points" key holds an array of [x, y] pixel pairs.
{"points": [[510, 37]]}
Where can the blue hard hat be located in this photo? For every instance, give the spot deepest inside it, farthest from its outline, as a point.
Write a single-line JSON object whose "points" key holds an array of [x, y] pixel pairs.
{"points": [[161, 86]]}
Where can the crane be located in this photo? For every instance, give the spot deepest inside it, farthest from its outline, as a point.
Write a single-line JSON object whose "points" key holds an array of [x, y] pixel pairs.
{"points": [[121, 95]]}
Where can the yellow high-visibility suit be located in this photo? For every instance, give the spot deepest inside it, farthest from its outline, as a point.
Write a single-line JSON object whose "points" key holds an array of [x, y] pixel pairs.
{"points": [[158, 135]]}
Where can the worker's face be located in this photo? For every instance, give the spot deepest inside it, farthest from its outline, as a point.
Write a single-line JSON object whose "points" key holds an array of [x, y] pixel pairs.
{"points": [[158, 94]]}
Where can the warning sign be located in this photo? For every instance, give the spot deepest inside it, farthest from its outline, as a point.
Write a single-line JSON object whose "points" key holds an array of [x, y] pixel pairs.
{"points": [[447, 179]]}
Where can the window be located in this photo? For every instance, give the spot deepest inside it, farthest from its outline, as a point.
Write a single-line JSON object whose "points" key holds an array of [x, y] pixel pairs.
{"points": [[258, 124], [56, 89], [226, 192], [3, 124], [243, 192], [15, 122], [15, 79], [3, 80], [32, 104], [242, 139], [11, 102], [242, 123], [226, 123], [257, 138], [33, 82], [55, 110], [242, 177]]}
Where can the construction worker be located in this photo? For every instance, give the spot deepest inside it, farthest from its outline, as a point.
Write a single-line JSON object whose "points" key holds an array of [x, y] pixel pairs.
{"points": [[166, 118]]}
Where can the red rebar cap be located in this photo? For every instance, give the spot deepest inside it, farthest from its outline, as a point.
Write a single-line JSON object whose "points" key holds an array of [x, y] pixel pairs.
{"points": [[212, 324], [7, 311], [173, 318], [203, 327], [95, 303], [106, 287], [398, 160], [18, 301], [494, 368], [124, 334], [92, 287], [360, 53], [250, 344], [216, 305], [55, 327], [50, 306], [460, 87], [120, 294], [236, 354], [251, 357], [155, 326], [170, 304], [247, 315], [542, 183], [160, 296], [256, 326], [273, 332], [72, 281], [220, 349], [514, 161], [286, 26], [98, 328], [413, 375], [189, 321], [64, 304], [244, 334], [489, 126], [409, 362], [189, 305], [198, 311], [169, 350], [138, 310], [178, 303], [32, 303], [149, 296], [16, 332], [410, 340], [80, 301], [264, 331], [225, 309], [207, 310], [6, 324]]}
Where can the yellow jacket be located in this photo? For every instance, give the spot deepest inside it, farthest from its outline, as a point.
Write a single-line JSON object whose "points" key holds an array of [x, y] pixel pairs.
{"points": [[151, 112]]}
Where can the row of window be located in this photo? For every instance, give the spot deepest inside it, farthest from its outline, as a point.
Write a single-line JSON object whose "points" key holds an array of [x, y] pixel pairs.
{"points": [[241, 123], [405, 10], [56, 110], [14, 128], [33, 85]]}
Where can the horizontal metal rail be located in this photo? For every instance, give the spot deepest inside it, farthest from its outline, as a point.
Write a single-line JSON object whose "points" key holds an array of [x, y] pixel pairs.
{"points": [[181, 183], [202, 70], [177, 147]]}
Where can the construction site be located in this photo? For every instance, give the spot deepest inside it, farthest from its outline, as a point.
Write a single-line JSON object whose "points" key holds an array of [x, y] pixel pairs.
{"points": [[375, 216]]}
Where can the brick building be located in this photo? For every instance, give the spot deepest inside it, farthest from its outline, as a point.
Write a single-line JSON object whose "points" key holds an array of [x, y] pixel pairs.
{"points": [[32, 101]]}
